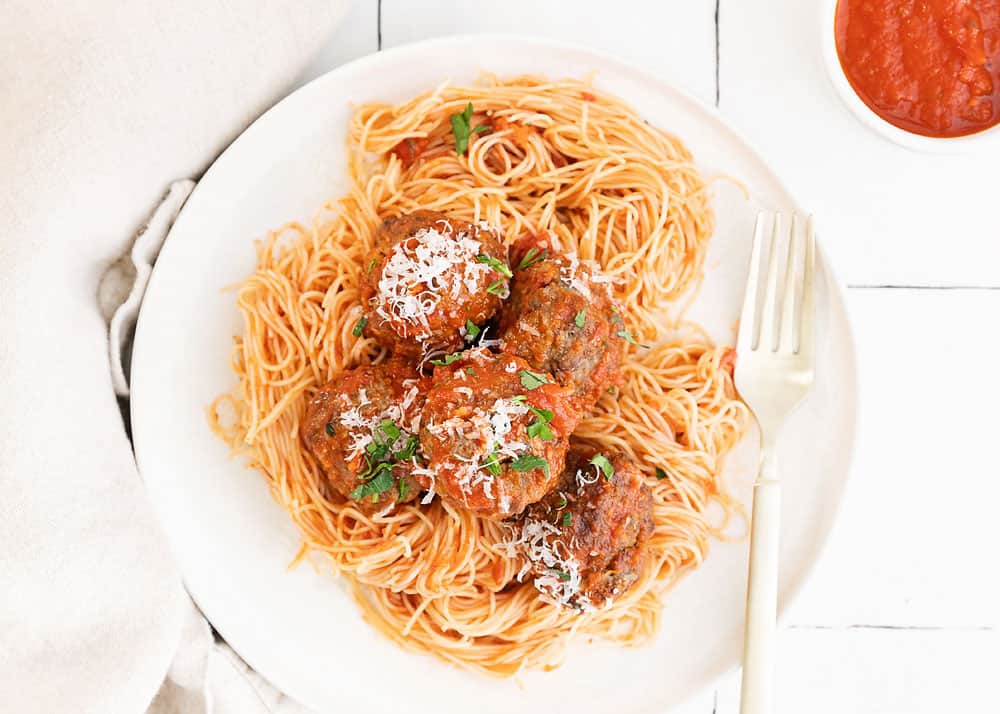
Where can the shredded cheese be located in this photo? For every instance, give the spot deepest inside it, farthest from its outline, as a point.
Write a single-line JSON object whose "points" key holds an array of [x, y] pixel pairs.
{"points": [[433, 262], [580, 281], [557, 573], [491, 431]]}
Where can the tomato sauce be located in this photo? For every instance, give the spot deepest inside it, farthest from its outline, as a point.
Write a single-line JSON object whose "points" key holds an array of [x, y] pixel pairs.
{"points": [[931, 67]]}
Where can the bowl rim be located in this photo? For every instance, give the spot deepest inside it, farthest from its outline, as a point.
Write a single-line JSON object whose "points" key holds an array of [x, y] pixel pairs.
{"points": [[910, 140]]}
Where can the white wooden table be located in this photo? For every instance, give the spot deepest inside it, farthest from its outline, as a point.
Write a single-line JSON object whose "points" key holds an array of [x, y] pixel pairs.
{"points": [[903, 612]]}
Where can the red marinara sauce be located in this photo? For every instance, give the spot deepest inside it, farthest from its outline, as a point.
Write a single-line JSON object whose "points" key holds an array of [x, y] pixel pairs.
{"points": [[931, 67]]}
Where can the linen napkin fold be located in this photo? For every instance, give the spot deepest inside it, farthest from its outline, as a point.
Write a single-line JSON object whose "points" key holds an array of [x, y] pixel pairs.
{"points": [[104, 104]]}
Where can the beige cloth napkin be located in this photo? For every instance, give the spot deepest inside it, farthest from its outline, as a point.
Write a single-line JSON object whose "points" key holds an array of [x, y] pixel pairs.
{"points": [[104, 104]]}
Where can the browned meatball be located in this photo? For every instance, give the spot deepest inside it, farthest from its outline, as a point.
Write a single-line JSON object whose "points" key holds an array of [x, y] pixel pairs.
{"points": [[495, 434], [428, 276], [586, 541], [362, 429], [561, 319]]}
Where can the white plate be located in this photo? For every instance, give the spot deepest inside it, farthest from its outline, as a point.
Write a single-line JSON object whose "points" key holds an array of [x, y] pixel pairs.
{"points": [[299, 628]]}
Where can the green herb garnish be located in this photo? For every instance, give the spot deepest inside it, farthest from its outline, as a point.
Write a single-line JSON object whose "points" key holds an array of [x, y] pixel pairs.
{"points": [[567, 519], [629, 337], [460, 129], [498, 265], [389, 428], [532, 380], [527, 462], [531, 257], [329, 428], [563, 575], [409, 449], [496, 288], [493, 464], [472, 330], [402, 487], [581, 318], [470, 371], [448, 359], [660, 473], [371, 264], [381, 483], [519, 399], [562, 501], [359, 326], [601, 462], [540, 429], [377, 450]]}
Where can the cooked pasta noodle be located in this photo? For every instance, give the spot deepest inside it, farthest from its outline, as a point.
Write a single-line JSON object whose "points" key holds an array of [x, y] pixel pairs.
{"points": [[582, 169]]}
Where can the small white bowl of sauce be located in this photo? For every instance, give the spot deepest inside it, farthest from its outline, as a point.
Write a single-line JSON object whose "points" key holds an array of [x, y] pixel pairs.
{"points": [[925, 75]]}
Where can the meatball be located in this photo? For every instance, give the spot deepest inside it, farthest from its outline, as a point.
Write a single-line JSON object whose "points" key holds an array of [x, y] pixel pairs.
{"points": [[495, 434], [428, 277], [561, 319], [362, 428], [586, 541]]}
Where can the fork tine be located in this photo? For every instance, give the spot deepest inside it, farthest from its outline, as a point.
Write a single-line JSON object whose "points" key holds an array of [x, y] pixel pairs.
{"points": [[807, 313], [788, 339], [747, 338], [768, 316]]}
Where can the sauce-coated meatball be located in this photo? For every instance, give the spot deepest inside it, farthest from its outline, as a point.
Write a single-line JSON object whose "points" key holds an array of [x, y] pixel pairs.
{"points": [[561, 319], [362, 428], [586, 541], [495, 433], [427, 276]]}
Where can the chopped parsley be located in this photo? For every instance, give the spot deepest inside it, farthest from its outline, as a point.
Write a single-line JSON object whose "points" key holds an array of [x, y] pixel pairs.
{"points": [[527, 462], [616, 318], [389, 428], [496, 288], [540, 429], [562, 501], [498, 265], [562, 574], [601, 462], [532, 380], [409, 450], [448, 359], [567, 519], [660, 473], [581, 318], [371, 264], [359, 326], [470, 371], [519, 399], [472, 330], [493, 464], [377, 450], [531, 257], [381, 483], [402, 487], [629, 337], [461, 129], [329, 428]]}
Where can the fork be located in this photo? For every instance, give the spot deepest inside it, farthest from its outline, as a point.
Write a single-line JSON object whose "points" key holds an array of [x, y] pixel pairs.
{"points": [[774, 371]]}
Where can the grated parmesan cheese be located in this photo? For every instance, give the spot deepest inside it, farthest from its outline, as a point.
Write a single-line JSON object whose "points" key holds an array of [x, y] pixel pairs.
{"points": [[572, 277], [491, 431], [538, 542], [433, 262]]}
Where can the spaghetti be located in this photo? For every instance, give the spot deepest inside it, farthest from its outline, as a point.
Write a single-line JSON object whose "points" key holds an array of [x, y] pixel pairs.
{"points": [[563, 161]]}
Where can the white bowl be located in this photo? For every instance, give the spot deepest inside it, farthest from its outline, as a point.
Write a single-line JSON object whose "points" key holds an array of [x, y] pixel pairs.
{"points": [[944, 145]]}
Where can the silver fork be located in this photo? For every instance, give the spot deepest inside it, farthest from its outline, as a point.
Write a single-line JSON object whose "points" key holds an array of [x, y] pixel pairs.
{"points": [[774, 371]]}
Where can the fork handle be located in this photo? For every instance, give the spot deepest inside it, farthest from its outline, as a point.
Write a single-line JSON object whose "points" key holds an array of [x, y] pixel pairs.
{"points": [[762, 591]]}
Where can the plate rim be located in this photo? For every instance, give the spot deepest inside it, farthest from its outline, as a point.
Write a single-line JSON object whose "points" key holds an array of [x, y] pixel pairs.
{"points": [[835, 287]]}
